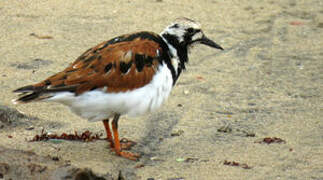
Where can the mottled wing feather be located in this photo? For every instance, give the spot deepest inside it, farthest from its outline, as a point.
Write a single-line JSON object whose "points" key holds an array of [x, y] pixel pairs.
{"points": [[121, 64]]}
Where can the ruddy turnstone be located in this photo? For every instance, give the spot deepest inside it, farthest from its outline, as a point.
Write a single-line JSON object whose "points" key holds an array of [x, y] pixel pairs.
{"points": [[131, 74]]}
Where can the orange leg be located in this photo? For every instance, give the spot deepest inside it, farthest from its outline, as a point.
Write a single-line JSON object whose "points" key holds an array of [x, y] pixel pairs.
{"points": [[108, 131], [117, 147], [125, 144]]}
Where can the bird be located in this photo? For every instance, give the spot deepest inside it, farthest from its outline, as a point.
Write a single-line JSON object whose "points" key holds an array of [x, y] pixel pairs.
{"points": [[131, 74]]}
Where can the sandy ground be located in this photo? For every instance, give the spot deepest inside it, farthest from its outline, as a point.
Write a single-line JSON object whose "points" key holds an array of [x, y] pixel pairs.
{"points": [[267, 82]]}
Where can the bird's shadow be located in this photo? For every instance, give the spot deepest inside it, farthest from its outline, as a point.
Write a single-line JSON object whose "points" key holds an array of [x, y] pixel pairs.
{"points": [[159, 127]]}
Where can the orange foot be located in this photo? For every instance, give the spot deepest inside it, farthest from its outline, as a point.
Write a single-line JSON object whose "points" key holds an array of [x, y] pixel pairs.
{"points": [[129, 155], [125, 144]]}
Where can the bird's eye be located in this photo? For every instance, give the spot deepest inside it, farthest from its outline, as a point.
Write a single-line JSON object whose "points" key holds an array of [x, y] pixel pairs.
{"points": [[191, 30]]}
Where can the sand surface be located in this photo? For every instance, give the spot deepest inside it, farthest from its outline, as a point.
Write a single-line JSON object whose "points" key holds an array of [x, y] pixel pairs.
{"points": [[267, 83]]}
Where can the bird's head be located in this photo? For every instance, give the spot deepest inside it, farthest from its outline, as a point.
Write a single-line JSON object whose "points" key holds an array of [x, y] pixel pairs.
{"points": [[186, 33]]}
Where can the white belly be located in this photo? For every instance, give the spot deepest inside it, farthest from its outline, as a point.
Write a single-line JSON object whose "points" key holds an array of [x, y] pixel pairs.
{"points": [[98, 105]]}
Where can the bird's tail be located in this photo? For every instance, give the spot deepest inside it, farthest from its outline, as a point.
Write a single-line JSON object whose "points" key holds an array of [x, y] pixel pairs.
{"points": [[29, 94]]}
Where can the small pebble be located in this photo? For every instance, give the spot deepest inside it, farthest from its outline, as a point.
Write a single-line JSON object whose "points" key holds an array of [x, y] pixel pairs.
{"points": [[139, 166], [50, 133], [177, 133], [225, 129], [191, 160], [55, 158], [186, 92], [180, 159], [30, 128], [155, 158], [269, 140], [249, 134]]}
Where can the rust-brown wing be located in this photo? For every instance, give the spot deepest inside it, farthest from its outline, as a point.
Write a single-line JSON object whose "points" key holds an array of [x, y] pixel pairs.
{"points": [[121, 64]]}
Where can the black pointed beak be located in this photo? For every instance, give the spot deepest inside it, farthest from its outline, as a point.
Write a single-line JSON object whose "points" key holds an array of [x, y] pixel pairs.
{"points": [[210, 43]]}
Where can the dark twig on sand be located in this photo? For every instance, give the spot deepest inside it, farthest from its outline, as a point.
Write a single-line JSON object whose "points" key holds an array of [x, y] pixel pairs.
{"points": [[86, 136]]}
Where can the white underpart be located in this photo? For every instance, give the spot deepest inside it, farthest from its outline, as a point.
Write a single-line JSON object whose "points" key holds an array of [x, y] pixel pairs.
{"points": [[98, 105]]}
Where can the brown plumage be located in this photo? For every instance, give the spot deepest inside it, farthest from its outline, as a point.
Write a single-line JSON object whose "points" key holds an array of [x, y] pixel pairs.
{"points": [[106, 66], [121, 64]]}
